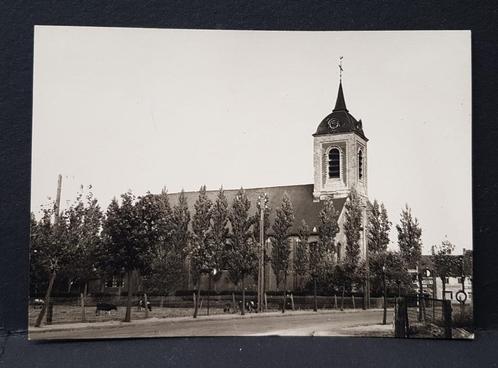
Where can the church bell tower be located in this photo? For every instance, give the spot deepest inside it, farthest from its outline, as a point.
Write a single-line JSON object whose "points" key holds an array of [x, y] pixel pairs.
{"points": [[339, 154]]}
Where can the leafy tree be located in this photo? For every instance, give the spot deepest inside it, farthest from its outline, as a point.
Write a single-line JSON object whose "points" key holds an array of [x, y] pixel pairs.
{"points": [[242, 257], [396, 271], [409, 238], [280, 258], [328, 229], [167, 263], [341, 278], [219, 230], [466, 266], [38, 280], [51, 249], [84, 226], [321, 256], [352, 229], [410, 243], [378, 228], [317, 266], [203, 253], [301, 257], [181, 235], [130, 235], [352, 232], [445, 264]]}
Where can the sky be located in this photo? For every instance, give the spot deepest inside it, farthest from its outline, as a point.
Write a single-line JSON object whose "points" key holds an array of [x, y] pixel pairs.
{"points": [[142, 109]]}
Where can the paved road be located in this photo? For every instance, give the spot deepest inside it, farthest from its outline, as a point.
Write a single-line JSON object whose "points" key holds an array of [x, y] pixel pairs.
{"points": [[333, 323]]}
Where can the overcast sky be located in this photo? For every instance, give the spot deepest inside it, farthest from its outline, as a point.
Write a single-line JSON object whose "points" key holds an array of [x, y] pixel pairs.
{"points": [[143, 109]]}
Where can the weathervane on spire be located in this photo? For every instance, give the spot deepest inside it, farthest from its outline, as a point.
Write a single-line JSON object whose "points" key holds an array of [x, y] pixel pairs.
{"points": [[340, 68]]}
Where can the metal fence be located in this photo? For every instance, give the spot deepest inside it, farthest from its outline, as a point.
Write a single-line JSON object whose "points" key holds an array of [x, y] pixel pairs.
{"points": [[421, 316], [70, 310]]}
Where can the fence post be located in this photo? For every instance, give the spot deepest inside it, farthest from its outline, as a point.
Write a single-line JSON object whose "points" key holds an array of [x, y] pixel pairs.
{"points": [[407, 320], [424, 305], [354, 306], [400, 318], [335, 301], [447, 319], [162, 301], [266, 303], [292, 301]]}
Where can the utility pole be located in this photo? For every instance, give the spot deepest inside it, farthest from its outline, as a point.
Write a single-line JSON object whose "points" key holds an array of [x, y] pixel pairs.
{"points": [[262, 200], [366, 294], [261, 257], [57, 204]]}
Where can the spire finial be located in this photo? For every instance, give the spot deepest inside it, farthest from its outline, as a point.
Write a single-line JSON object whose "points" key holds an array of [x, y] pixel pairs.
{"points": [[340, 68]]}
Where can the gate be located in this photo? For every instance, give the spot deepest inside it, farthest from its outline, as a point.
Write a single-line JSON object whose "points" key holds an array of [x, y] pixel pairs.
{"points": [[416, 315]]}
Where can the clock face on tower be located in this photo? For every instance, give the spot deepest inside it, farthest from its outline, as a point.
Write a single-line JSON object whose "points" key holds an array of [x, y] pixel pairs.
{"points": [[333, 123]]}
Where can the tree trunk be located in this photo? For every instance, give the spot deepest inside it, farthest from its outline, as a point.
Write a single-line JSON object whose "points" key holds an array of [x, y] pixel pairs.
{"points": [[315, 305], [209, 292], [47, 300], [234, 305], [365, 294], [342, 298], [128, 300], [243, 310], [195, 305], [285, 294], [146, 306], [83, 301], [198, 299], [384, 315]]}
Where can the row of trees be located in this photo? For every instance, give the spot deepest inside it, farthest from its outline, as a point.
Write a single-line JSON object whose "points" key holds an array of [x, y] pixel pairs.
{"points": [[147, 235]]}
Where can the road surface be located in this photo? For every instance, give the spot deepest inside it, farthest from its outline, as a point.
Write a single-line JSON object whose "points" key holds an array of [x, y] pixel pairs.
{"points": [[333, 323]]}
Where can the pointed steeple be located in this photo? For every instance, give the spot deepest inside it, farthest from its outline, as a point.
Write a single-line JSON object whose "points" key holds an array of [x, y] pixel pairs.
{"points": [[340, 104]]}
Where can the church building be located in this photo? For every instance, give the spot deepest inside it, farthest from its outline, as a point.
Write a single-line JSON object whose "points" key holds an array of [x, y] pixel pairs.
{"points": [[340, 163]]}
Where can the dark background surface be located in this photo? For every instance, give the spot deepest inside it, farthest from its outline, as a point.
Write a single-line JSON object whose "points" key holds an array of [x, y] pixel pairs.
{"points": [[17, 20]]}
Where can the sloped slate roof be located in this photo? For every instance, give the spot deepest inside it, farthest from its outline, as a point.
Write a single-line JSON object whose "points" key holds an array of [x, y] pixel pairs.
{"points": [[301, 197], [346, 123]]}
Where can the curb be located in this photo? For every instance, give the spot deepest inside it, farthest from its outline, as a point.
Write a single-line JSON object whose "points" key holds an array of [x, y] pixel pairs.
{"points": [[119, 324]]}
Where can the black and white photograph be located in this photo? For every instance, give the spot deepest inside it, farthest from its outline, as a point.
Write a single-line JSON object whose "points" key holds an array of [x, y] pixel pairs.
{"points": [[250, 183]]}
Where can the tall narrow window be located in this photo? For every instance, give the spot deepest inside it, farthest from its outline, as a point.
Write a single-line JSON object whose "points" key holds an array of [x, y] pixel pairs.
{"points": [[334, 163], [360, 164]]}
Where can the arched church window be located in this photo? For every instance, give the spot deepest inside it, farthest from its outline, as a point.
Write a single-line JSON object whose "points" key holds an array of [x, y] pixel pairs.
{"points": [[360, 164], [334, 163]]}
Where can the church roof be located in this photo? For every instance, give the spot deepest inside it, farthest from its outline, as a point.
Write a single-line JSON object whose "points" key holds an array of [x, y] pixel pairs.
{"points": [[340, 120], [301, 197]]}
